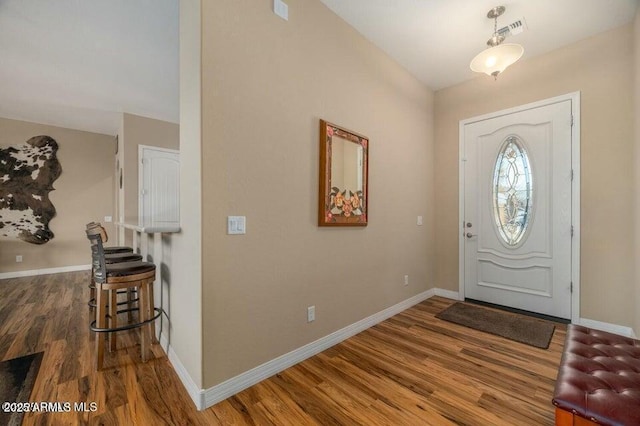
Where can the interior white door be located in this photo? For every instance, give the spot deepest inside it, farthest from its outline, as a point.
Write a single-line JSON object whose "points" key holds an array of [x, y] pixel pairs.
{"points": [[517, 210], [159, 182]]}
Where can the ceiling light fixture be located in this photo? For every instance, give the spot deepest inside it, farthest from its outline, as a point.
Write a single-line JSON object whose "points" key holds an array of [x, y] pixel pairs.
{"points": [[498, 56]]}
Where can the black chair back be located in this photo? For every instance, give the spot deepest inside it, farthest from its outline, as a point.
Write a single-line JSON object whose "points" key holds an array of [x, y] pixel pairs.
{"points": [[95, 236]]}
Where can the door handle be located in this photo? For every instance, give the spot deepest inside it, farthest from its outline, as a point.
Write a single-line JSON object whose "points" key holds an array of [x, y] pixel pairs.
{"points": [[469, 235]]}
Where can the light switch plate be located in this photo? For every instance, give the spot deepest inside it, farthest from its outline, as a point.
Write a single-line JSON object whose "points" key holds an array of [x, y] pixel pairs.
{"points": [[419, 221], [236, 225]]}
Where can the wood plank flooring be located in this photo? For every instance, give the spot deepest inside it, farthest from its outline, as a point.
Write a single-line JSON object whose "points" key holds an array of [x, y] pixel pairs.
{"points": [[411, 369]]}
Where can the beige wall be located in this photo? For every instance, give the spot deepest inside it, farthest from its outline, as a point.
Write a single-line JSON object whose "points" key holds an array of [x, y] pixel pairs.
{"points": [[135, 131], [83, 193], [185, 295], [266, 83], [636, 119], [601, 69]]}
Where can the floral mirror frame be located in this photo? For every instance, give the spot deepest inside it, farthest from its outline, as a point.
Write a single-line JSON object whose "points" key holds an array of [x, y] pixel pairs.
{"points": [[344, 169]]}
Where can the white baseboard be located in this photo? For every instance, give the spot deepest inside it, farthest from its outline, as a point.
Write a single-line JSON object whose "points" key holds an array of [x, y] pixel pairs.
{"points": [[196, 394], [204, 398], [449, 294], [249, 378], [47, 271], [604, 326]]}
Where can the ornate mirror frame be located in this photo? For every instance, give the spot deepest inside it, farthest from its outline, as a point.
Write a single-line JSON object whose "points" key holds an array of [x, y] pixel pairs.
{"points": [[344, 153]]}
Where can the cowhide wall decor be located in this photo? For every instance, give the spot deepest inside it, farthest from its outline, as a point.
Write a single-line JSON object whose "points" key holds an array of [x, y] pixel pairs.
{"points": [[27, 173]]}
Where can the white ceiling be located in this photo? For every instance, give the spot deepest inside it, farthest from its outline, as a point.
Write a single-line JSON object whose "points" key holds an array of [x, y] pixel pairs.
{"points": [[436, 39], [81, 63]]}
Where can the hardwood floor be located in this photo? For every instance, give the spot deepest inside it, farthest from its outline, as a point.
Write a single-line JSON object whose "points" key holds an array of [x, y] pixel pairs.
{"points": [[411, 369]]}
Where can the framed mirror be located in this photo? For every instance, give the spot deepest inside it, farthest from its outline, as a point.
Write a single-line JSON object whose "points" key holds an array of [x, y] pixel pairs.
{"points": [[343, 177]]}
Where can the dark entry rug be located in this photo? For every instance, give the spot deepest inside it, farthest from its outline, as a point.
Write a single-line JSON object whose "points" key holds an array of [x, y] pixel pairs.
{"points": [[17, 377], [505, 324]]}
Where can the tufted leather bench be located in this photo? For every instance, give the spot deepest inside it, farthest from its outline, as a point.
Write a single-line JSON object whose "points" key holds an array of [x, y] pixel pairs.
{"points": [[599, 379]]}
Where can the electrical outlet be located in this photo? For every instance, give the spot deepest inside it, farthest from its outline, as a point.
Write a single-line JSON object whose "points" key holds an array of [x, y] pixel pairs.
{"points": [[19, 258], [108, 219], [419, 221], [311, 313], [406, 280]]}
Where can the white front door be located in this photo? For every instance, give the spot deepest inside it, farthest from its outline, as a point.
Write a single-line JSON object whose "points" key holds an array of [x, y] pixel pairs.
{"points": [[517, 209]]}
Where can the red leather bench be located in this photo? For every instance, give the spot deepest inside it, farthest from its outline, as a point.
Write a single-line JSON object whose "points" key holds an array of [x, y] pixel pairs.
{"points": [[599, 379]]}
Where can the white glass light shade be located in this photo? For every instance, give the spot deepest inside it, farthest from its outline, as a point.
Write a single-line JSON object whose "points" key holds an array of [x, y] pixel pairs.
{"points": [[496, 59]]}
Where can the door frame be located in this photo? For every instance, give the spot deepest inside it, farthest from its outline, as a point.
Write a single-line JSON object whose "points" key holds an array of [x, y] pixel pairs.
{"points": [[574, 97]]}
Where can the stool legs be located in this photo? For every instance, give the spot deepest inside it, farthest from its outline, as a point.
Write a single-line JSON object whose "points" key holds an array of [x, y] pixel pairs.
{"points": [[92, 294], [152, 326], [107, 317], [130, 304], [113, 318], [145, 340], [101, 320]]}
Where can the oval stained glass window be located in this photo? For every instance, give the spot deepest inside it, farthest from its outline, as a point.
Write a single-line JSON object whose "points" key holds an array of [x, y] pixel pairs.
{"points": [[512, 191]]}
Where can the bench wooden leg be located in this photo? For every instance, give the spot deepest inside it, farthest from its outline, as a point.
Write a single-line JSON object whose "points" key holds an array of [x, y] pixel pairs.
{"points": [[566, 418]]}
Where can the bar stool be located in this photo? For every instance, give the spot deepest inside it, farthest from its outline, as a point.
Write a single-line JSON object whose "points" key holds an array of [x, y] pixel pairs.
{"points": [[110, 278], [113, 255]]}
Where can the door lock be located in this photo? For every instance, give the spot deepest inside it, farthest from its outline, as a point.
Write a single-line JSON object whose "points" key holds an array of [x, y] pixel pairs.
{"points": [[470, 235]]}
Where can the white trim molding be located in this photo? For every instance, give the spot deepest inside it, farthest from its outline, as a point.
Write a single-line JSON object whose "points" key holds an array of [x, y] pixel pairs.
{"points": [[205, 398], [249, 378], [194, 391], [455, 295], [605, 326], [46, 271]]}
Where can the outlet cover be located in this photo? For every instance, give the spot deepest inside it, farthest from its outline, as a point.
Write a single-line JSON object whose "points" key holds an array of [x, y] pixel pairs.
{"points": [[19, 258], [311, 313]]}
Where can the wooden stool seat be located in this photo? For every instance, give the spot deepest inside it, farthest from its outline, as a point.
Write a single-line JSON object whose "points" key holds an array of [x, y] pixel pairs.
{"points": [[127, 269], [111, 260], [117, 249], [122, 257]]}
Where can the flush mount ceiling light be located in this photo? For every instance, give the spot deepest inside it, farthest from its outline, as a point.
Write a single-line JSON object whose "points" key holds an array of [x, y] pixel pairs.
{"points": [[498, 56]]}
